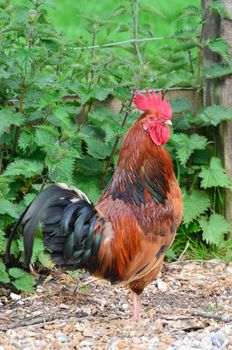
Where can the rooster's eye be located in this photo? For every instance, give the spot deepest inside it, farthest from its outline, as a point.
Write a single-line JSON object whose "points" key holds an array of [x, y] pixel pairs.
{"points": [[151, 118]]}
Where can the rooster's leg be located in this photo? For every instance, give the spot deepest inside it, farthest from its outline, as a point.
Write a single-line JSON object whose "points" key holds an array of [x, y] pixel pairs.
{"points": [[136, 305]]}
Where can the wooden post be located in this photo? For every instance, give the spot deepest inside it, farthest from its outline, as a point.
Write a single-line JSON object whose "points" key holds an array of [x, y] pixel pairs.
{"points": [[220, 91]]}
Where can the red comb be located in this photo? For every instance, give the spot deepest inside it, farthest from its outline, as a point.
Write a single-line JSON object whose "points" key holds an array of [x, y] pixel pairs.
{"points": [[151, 102]]}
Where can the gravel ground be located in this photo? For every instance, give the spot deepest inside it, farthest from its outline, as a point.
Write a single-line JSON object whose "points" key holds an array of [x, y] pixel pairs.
{"points": [[188, 307]]}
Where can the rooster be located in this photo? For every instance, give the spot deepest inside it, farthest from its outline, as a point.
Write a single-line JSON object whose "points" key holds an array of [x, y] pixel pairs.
{"points": [[123, 238]]}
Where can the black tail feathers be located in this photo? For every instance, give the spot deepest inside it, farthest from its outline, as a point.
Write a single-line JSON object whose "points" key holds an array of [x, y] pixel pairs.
{"points": [[68, 219]]}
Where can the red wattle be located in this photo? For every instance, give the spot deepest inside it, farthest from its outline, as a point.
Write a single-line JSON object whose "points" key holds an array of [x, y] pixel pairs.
{"points": [[160, 134]]}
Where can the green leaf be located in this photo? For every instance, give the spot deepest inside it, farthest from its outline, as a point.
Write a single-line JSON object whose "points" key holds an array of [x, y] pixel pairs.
{"points": [[46, 260], [97, 148], [21, 167], [3, 274], [189, 11], [8, 118], [61, 170], [43, 138], [179, 78], [213, 115], [214, 175], [151, 10], [16, 272], [221, 47], [4, 186], [216, 70], [3, 241], [214, 229], [37, 249], [27, 141], [90, 187], [185, 145], [102, 115], [8, 208], [195, 204], [26, 283], [100, 93]]}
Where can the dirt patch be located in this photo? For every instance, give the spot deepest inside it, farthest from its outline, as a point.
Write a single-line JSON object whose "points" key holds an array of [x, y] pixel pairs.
{"points": [[188, 307]]}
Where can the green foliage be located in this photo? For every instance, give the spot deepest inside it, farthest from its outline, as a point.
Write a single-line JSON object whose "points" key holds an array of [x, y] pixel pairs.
{"points": [[45, 137], [214, 229], [24, 168], [3, 274], [185, 145], [214, 175], [195, 204], [213, 115]]}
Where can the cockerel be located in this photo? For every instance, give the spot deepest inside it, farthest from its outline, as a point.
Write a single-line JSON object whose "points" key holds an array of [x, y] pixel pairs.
{"points": [[123, 238]]}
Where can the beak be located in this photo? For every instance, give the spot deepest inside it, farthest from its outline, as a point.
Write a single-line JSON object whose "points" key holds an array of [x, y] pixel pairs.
{"points": [[168, 122]]}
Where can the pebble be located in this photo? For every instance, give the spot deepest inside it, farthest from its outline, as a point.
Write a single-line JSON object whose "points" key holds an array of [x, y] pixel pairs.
{"points": [[15, 297], [162, 286], [63, 338]]}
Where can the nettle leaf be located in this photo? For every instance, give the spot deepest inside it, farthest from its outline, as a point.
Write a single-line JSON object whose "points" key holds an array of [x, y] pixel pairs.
{"points": [[24, 168], [28, 198], [3, 241], [43, 138], [8, 118], [100, 93], [195, 204], [3, 274], [177, 78], [8, 208], [102, 115], [25, 56], [4, 185], [62, 118], [25, 283], [213, 115], [61, 170], [216, 70], [121, 93], [185, 145], [151, 10], [90, 187], [16, 272], [214, 229], [90, 166], [27, 141], [221, 47], [86, 131], [214, 175], [189, 11], [97, 148]]}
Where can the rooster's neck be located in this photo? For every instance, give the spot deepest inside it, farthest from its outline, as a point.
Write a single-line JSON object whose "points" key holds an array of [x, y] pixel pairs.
{"points": [[143, 169]]}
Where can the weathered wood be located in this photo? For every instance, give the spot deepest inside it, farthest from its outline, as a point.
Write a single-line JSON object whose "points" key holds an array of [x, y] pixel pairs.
{"points": [[226, 100], [220, 91]]}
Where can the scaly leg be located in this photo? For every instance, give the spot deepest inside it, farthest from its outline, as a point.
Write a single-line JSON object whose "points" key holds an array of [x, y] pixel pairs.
{"points": [[136, 304]]}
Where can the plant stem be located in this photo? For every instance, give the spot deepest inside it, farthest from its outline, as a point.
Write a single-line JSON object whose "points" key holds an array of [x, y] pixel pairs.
{"points": [[190, 61], [87, 106], [135, 18], [17, 130], [200, 50]]}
